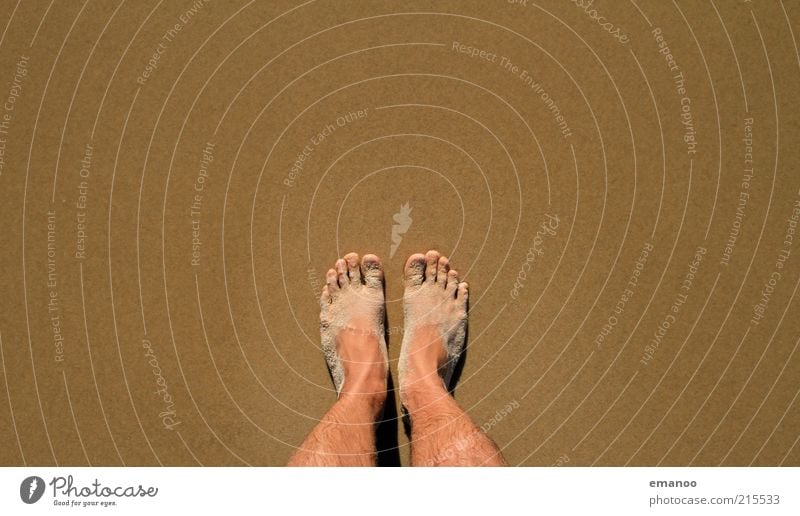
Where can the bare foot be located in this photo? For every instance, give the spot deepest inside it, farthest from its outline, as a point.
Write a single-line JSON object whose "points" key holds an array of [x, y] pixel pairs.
{"points": [[351, 325], [435, 306]]}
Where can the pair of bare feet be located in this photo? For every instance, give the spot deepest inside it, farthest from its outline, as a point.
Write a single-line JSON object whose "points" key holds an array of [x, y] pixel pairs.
{"points": [[352, 318], [353, 340]]}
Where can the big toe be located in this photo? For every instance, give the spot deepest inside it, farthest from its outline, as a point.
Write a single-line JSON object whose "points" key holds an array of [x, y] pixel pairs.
{"points": [[372, 271], [415, 269]]}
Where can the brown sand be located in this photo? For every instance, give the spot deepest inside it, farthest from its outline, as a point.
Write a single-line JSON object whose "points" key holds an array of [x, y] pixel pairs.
{"points": [[125, 342]]}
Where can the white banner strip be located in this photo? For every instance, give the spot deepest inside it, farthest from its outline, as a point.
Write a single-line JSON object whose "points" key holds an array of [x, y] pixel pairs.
{"points": [[401, 491]]}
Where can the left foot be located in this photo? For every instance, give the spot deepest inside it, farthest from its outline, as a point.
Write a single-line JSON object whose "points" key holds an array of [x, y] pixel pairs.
{"points": [[351, 326], [435, 306]]}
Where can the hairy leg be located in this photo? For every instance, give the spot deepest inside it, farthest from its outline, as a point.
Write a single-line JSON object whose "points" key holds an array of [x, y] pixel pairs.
{"points": [[346, 434], [351, 326], [442, 434], [435, 305]]}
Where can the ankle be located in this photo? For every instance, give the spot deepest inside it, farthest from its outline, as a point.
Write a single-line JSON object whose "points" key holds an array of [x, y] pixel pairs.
{"points": [[367, 405], [367, 390], [364, 366], [422, 393]]}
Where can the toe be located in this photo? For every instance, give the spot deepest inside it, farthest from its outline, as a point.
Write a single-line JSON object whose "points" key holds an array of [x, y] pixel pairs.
{"points": [[331, 282], [452, 283], [325, 297], [372, 270], [415, 269], [463, 293], [353, 268], [432, 259], [441, 272], [341, 273]]}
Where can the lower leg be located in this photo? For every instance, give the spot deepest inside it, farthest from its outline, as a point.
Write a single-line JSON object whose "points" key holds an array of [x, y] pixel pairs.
{"points": [[351, 326], [346, 434], [442, 434], [435, 305]]}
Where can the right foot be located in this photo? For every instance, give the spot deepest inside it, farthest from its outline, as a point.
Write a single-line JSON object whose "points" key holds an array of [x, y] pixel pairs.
{"points": [[435, 306], [351, 327]]}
